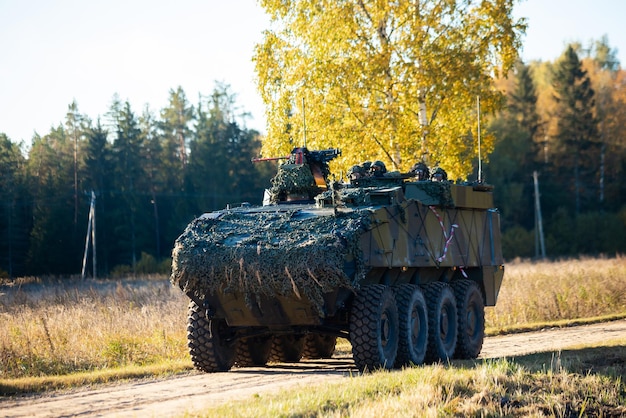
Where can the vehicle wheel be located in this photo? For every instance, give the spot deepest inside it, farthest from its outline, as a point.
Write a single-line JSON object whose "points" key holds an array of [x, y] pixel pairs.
{"points": [[319, 346], [374, 328], [442, 321], [208, 342], [471, 310], [253, 351], [286, 348], [413, 316]]}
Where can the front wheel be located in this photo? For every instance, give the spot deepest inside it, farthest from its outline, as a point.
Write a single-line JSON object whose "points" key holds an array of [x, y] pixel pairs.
{"points": [[208, 341], [374, 328], [442, 321]]}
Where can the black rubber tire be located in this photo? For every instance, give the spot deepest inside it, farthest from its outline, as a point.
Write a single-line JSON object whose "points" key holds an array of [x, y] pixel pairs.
{"points": [[287, 348], [442, 322], [253, 351], [471, 311], [374, 328], [318, 346], [413, 315], [209, 350]]}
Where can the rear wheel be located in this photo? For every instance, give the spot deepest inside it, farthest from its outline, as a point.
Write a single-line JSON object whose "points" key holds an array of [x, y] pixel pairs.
{"points": [[442, 321], [471, 309], [287, 348], [374, 328], [319, 346], [208, 340], [413, 316], [253, 351]]}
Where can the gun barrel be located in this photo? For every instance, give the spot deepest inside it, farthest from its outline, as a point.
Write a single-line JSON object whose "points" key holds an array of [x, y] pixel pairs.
{"points": [[256, 160]]}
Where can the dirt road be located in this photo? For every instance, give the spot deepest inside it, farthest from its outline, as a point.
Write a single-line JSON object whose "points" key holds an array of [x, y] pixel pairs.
{"points": [[192, 392]]}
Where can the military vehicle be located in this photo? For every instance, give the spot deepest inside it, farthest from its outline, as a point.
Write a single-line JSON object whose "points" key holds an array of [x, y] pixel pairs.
{"points": [[400, 265]]}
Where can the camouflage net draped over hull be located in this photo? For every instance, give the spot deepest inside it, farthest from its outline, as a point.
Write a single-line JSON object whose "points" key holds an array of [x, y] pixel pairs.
{"points": [[439, 191], [289, 253], [350, 195]]}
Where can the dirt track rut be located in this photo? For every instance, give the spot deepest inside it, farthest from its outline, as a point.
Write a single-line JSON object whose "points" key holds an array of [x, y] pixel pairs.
{"points": [[174, 396]]}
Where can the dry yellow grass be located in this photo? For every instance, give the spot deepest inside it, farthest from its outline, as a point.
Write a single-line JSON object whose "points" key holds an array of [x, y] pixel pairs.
{"points": [[537, 292], [58, 328], [52, 328]]}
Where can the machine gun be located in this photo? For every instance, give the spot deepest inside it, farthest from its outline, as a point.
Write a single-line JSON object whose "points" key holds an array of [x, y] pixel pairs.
{"points": [[302, 155], [317, 162], [324, 156], [289, 176]]}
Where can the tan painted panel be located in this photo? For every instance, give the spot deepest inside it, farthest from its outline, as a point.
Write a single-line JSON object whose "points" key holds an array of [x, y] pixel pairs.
{"points": [[416, 235], [468, 197]]}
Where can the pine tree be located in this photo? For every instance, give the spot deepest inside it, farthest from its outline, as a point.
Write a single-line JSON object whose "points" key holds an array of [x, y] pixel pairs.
{"points": [[128, 174], [513, 160], [53, 248], [155, 176], [175, 125], [523, 103], [577, 136], [96, 177], [222, 153], [14, 210]]}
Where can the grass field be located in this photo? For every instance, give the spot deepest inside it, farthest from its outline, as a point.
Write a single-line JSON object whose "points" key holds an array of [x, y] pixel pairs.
{"points": [[570, 384], [542, 292], [61, 327], [67, 332]]}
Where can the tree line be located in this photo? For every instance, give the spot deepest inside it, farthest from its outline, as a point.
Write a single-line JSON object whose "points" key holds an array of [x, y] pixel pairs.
{"points": [[566, 121], [151, 174]]}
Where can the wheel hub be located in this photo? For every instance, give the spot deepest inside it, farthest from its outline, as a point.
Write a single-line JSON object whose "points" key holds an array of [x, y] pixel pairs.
{"points": [[384, 329]]}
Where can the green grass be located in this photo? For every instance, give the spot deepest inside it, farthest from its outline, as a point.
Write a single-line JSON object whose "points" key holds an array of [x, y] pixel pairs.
{"points": [[579, 382]]}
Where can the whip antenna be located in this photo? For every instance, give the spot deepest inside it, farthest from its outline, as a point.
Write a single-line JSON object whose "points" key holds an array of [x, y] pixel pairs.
{"points": [[304, 121], [480, 167]]}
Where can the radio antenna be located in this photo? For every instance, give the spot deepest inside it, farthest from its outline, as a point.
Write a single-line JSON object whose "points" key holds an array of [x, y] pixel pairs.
{"points": [[480, 167], [304, 121]]}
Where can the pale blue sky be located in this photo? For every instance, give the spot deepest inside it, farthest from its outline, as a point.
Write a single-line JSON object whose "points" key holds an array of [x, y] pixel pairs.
{"points": [[56, 51]]}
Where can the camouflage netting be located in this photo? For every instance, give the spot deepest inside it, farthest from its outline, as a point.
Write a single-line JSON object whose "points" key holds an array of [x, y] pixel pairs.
{"points": [[359, 195], [269, 253], [349, 196], [439, 191], [293, 179]]}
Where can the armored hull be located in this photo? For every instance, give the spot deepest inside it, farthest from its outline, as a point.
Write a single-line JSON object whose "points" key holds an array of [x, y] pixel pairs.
{"points": [[403, 269]]}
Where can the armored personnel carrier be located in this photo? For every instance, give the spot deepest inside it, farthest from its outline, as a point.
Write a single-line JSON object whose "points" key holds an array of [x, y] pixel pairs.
{"points": [[400, 266]]}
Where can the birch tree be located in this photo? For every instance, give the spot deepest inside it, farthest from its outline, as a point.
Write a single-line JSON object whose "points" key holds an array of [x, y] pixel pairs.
{"points": [[389, 80]]}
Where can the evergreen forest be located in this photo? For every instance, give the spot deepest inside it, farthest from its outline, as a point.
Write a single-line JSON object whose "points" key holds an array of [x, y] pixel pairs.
{"points": [[148, 175], [565, 121]]}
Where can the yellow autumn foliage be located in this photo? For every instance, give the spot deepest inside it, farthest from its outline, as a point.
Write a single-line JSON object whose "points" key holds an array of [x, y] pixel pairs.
{"points": [[357, 74]]}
